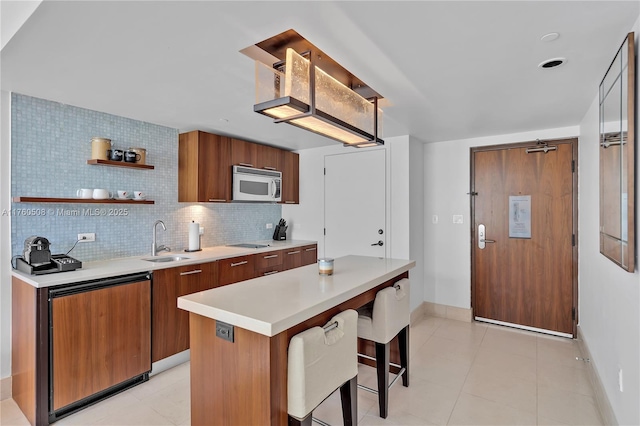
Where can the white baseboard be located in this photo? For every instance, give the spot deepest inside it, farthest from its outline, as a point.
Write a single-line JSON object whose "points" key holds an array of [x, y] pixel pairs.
{"points": [[170, 362], [606, 411], [446, 311], [5, 388], [417, 314]]}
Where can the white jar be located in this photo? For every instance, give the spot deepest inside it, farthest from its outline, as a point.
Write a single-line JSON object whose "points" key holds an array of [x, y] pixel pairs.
{"points": [[325, 266]]}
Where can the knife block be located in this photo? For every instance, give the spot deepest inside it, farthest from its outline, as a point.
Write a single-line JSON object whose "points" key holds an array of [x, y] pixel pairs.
{"points": [[280, 233]]}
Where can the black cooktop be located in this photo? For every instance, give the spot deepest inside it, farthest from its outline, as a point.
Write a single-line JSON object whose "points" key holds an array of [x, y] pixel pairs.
{"points": [[249, 245]]}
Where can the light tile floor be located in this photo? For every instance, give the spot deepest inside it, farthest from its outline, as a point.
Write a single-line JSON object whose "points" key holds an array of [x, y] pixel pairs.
{"points": [[461, 374]]}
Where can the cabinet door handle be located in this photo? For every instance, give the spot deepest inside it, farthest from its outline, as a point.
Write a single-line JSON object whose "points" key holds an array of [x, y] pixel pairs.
{"points": [[270, 273], [271, 256], [246, 164], [289, 202], [294, 252], [311, 249], [195, 271], [244, 262], [269, 168], [217, 200]]}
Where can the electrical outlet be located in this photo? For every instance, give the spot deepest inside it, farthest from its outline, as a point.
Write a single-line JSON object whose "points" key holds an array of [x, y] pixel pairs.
{"points": [[269, 225], [458, 219], [87, 237], [201, 230]]}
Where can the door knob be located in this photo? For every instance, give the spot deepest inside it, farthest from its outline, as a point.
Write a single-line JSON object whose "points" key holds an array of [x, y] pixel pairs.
{"points": [[379, 243]]}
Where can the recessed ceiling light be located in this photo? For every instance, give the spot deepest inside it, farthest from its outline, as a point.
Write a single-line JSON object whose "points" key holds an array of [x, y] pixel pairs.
{"points": [[550, 37], [552, 63]]}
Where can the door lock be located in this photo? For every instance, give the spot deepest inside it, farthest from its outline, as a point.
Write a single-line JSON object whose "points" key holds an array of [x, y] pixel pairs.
{"points": [[481, 237], [379, 243]]}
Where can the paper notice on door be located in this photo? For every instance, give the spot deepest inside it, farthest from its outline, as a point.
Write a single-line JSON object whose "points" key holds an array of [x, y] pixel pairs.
{"points": [[520, 216]]}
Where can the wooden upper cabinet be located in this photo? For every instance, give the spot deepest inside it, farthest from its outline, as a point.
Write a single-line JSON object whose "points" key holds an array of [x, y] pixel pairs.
{"points": [[290, 177], [244, 153], [255, 155], [205, 163], [269, 158], [204, 167]]}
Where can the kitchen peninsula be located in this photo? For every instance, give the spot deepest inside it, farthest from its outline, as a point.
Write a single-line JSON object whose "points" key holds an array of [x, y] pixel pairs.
{"points": [[240, 334]]}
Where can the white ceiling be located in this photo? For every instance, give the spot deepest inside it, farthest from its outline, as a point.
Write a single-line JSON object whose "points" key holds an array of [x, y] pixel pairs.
{"points": [[448, 69]]}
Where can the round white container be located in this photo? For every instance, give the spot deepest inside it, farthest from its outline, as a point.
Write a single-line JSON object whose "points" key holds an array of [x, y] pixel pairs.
{"points": [[325, 266]]}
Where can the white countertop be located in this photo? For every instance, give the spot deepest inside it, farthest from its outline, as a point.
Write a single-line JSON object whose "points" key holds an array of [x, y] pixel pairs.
{"points": [[132, 265], [271, 304]]}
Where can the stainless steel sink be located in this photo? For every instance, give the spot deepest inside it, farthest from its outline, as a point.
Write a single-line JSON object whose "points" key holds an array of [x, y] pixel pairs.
{"points": [[166, 258]]}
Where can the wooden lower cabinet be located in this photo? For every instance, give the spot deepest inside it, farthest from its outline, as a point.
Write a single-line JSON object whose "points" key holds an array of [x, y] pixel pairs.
{"points": [[309, 254], [293, 258], [300, 256], [170, 326], [100, 338], [236, 269]]}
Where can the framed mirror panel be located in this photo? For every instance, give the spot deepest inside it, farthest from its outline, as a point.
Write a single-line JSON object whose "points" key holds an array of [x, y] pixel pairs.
{"points": [[617, 158]]}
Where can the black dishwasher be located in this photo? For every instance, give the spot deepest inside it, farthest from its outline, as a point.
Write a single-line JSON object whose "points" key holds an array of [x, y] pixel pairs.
{"points": [[99, 340]]}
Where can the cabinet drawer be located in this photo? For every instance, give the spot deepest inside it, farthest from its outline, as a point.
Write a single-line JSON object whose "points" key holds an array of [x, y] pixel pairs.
{"points": [[269, 259], [236, 269], [269, 271], [292, 258], [309, 254]]}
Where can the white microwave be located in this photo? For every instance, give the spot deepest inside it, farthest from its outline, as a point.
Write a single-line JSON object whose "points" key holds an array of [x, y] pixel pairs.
{"points": [[256, 185]]}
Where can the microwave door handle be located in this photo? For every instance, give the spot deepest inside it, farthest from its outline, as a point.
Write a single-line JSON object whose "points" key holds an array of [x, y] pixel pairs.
{"points": [[274, 188]]}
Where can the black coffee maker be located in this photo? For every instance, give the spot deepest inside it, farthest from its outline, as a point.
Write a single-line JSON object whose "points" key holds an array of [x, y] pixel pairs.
{"points": [[37, 258], [36, 251]]}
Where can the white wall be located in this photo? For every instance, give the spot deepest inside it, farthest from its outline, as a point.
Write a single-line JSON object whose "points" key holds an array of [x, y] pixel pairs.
{"points": [[5, 234], [404, 193], [448, 245], [609, 305]]}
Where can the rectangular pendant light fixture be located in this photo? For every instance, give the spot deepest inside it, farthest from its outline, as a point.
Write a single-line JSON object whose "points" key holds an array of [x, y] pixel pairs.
{"points": [[298, 92]]}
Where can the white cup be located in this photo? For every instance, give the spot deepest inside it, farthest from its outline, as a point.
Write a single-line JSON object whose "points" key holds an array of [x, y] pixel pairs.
{"points": [[139, 195], [123, 194], [84, 193], [101, 194]]}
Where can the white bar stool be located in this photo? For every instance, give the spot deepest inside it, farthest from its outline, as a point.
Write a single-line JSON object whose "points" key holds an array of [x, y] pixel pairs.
{"points": [[321, 360], [380, 321]]}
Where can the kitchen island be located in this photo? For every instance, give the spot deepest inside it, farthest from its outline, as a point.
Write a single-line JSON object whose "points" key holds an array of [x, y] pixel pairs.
{"points": [[240, 334]]}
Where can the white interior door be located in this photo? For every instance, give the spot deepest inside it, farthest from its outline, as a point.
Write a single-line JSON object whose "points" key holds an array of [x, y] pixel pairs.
{"points": [[355, 204]]}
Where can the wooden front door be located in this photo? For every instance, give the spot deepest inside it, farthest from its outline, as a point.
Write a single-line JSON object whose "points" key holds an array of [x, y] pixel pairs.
{"points": [[524, 262]]}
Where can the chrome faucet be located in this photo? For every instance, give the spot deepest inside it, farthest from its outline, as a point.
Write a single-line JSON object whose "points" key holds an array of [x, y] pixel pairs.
{"points": [[155, 248]]}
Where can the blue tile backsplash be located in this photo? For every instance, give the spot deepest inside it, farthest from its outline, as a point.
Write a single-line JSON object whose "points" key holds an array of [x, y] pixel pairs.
{"points": [[50, 146]]}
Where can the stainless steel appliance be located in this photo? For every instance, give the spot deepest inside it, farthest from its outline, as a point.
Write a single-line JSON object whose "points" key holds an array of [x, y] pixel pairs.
{"points": [[256, 185]]}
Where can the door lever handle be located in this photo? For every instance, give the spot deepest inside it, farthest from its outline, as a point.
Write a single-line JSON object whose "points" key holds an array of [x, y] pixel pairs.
{"points": [[379, 243], [481, 237]]}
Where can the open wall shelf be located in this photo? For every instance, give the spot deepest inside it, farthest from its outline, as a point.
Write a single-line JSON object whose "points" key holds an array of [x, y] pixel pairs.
{"points": [[78, 200], [110, 163]]}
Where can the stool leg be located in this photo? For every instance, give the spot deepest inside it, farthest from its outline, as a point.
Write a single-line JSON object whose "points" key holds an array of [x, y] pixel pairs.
{"points": [[382, 366], [349, 397], [307, 421], [403, 340]]}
